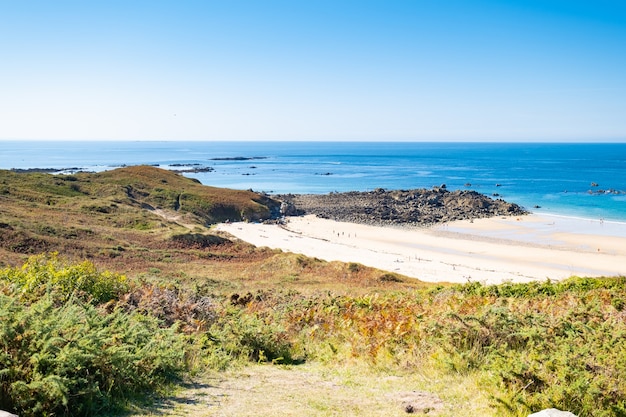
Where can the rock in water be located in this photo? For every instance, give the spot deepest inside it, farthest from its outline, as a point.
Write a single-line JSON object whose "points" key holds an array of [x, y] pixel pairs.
{"points": [[552, 412]]}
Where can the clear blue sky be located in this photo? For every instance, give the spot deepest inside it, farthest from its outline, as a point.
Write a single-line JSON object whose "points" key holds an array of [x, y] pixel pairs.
{"points": [[313, 70]]}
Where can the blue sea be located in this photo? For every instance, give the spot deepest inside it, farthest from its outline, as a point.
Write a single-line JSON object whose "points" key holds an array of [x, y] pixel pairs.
{"points": [[571, 179]]}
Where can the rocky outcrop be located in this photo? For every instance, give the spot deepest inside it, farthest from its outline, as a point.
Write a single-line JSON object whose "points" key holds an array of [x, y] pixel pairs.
{"points": [[414, 207]]}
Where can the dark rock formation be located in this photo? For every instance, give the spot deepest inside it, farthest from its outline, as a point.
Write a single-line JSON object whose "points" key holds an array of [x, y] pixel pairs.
{"points": [[44, 170], [192, 170], [414, 207]]}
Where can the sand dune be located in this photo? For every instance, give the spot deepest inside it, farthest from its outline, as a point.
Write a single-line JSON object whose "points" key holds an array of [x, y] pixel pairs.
{"points": [[494, 250]]}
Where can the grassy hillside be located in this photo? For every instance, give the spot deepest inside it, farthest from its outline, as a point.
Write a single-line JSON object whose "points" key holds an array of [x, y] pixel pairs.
{"points": [[143, 293], [155, 224], [139, 187]]}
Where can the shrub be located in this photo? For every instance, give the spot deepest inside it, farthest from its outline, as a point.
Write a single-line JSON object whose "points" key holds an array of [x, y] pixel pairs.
{"points": [[48, 273], [64, 353], [73, 360], [238, 334], [354, 267], [563, 350], [192, 312], [541, 345]]}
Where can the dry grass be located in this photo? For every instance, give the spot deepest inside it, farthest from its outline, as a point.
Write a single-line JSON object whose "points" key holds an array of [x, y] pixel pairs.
{"points": [[317, 390]]}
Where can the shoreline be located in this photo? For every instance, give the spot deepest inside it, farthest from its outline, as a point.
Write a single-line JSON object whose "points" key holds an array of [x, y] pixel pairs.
{"points": [[572, 217], [490, 250]]}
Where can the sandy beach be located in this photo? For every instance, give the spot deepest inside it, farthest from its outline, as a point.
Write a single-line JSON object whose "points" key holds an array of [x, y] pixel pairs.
{"points": [[493, 250]]}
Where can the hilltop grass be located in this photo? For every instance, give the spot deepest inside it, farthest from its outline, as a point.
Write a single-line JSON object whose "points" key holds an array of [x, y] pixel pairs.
{"points": [[136, 186]]}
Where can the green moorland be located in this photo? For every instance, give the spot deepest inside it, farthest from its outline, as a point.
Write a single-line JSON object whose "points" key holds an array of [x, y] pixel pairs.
{"points": [[115, 292]]}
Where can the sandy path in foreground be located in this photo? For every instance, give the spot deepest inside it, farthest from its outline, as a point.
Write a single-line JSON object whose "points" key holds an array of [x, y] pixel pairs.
{"points": [[494, 250]]}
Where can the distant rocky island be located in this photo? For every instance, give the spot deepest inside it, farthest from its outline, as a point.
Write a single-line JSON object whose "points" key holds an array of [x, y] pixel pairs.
{"points": [[190, 168], [239, 158], [420, 207], [45, 170]]}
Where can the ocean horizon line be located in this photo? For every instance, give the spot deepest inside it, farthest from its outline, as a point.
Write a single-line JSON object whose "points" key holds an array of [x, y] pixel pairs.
{"points": [[584, 141]]}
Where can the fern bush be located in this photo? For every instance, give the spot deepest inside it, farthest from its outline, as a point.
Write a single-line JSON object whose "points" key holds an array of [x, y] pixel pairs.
{"points": [[75, 360], [63, 353], [47, 273], [76, 341], [541, 345], [238, 334]]}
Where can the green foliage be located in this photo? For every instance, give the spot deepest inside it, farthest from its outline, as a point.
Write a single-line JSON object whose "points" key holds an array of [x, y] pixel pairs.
{"points": [[570, 358], [542, 288], [549, 344], [74, 360], [389, 277], [141, 224], [59, 188], [48, 273], [64, 352], [197, 240], [166, 198], [77, 341], [238, 334]]}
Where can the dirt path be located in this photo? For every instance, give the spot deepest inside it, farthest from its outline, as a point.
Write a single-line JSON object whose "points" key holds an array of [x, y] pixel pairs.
{"points": [[174, 217], [310, 390]]}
